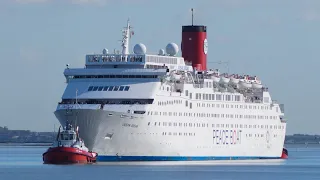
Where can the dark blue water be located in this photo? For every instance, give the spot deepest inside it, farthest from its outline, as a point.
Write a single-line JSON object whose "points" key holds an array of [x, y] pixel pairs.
{"points": [[26, 163]]}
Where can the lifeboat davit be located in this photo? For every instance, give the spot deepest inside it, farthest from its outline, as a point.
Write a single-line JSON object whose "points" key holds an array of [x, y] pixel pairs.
{"points": [[68, 148], [284, 154]]}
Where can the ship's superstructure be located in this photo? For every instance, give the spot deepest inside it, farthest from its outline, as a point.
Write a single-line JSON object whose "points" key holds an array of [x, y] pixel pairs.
{"points": [[139, 106]]}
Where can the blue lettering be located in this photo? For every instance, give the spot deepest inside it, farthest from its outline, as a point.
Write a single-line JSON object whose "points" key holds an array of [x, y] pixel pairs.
{"points": [[231, 137], [217, 142], [226, 136], [214, 132], [217, 136]]}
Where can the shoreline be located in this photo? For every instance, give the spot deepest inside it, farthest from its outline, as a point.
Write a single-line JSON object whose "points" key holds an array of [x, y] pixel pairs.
{"points": [[25, 144]]}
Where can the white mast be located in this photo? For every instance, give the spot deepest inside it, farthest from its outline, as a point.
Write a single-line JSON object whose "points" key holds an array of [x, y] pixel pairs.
{"points": [[125, 40], [76, 96]]}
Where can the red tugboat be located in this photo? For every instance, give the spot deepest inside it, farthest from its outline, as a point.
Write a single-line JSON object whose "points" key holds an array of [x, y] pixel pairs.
{"points": [[68, 148]]}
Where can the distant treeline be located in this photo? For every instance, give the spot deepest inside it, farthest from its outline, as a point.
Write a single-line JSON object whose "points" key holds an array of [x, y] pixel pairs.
{"points": [[302, 139], [25, 136]]}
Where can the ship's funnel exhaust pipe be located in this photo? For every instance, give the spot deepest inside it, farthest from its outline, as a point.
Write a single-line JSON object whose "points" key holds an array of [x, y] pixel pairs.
{"points": [[194, 45]]}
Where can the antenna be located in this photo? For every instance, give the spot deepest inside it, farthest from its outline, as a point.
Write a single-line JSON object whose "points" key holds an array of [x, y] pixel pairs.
{"points": [[226, 63], [125, 39], [192, 15], [76, 96]]}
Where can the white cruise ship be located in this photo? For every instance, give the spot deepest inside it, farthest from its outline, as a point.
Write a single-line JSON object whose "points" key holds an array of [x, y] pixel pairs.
{"points": [[162, 107]]}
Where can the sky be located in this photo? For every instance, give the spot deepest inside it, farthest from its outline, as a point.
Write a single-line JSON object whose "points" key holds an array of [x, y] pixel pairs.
{"points": [[276, 40]]}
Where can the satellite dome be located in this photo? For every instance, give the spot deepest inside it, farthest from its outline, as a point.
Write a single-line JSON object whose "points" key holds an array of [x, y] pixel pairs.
{"points": [[161, 52], [172, 49], [140, 49], [105, 51]]}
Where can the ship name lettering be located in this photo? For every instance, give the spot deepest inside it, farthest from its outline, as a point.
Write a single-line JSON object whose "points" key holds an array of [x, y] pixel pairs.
{"points": [[130, 125], [66, 106], [225, 136]]}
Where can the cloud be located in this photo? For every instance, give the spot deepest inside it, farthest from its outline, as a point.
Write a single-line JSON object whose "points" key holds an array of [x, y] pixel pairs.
{"points": [[31, 55], [231, 3], [63, 1], [311, 15], [78, 2], [29, 1], [101, 2]]}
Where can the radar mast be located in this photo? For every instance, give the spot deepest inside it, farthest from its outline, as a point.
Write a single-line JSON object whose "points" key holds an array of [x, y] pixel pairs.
{"points": [[126, 35]]}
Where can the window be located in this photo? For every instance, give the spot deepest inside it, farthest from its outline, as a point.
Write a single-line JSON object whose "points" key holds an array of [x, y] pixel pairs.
{"points": [[116, 88], [95, 88], [110, 88], [100, 88], [126, 88], [121, 88], [106, 88], [113, 76], [90, 88]]}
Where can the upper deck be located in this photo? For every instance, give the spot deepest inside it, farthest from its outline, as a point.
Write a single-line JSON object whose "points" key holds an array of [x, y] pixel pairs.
{"points": [[134, 61], [107, 75]]}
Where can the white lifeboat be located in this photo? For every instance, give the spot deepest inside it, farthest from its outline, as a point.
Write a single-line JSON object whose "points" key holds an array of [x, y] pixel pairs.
{"points": [[244, 82], [224, 79], [234, 79], [215, 78], [214, 75], [256, 83]]}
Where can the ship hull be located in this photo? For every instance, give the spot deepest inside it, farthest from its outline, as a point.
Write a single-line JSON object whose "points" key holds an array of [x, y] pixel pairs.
{"points": [[67, 155], [120, 136]]}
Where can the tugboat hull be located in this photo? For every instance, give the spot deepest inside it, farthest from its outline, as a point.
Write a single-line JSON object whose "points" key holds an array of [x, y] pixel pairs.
{"points": [[68, 155]]}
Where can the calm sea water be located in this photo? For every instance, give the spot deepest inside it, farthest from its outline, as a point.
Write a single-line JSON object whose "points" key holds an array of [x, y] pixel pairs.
{"points": [[26, 163]]}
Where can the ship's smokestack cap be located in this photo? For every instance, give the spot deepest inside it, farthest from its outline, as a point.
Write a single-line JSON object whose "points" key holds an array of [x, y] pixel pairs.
{"points": [[189, 28]]}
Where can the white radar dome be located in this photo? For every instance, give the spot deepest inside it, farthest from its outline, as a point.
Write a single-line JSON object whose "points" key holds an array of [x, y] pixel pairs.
{"points": [[140, 49], [161, 52], [172, 49], [105, 51]]}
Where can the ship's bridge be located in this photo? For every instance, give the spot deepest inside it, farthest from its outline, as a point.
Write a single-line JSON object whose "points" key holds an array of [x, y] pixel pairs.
{"points": [[139, 59], [134, 61]]}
